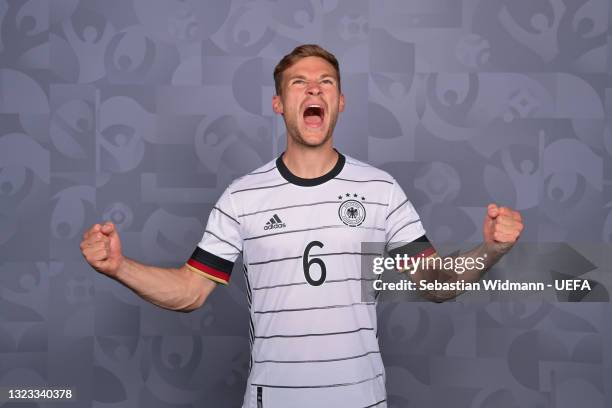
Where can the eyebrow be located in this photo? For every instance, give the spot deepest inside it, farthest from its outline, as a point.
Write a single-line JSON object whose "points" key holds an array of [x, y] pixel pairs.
{"points": [[320, 77]]}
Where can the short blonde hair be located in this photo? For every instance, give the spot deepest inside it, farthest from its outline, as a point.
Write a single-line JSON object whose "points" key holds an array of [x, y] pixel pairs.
{"points": [[303, 51]]}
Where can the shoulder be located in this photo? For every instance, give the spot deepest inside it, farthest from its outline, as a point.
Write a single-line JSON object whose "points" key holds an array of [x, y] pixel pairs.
{"points": [[265, 174], [362, 170]]}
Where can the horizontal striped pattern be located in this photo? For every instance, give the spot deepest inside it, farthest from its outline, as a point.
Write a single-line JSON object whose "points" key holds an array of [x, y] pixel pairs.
{"points": [[419, 247], [321, 385], [305, 309], [364, 181], [208, 272], [210, 265], [226, 214], [259, 188], [312, 311], [290, 258], [328, 360], [287, 336], [282, 285], [309, 229], [305, 205]]}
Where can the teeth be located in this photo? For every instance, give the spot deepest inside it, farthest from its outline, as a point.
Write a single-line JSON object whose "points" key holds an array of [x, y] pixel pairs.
{"points": [[313, 106]]}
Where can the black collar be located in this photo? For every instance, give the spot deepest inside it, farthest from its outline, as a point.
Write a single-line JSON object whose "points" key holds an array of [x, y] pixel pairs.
{"points": [[310, 182]]}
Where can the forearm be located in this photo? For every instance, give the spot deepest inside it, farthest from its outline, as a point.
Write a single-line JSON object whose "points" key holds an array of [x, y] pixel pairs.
{"points": [[168, 288], [453, 269], [489, 256], [501, 228]]}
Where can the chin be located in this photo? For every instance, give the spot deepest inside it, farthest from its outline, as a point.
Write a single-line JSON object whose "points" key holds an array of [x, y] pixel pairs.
{"points": [[312, 139]]}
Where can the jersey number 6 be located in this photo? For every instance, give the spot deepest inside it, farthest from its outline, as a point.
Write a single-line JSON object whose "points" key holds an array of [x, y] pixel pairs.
{"points": [[308, 263]]}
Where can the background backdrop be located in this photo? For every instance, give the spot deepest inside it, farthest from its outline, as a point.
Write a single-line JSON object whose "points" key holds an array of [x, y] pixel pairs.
{"points": [[142, 111]]}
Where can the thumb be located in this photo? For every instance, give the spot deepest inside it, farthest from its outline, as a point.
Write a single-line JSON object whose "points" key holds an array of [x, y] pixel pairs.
{"points": [[492, 210], [108, 228]]}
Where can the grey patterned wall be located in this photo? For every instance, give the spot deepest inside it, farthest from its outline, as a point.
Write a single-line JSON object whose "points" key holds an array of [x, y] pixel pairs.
{"points": [[142, 111]]}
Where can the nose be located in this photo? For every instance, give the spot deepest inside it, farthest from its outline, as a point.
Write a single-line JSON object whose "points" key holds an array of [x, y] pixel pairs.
{"points": [[313, 88]]}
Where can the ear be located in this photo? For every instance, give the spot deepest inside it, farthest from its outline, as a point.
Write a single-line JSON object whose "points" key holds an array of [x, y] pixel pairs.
{"points": [[277, 104], [341, 103]]}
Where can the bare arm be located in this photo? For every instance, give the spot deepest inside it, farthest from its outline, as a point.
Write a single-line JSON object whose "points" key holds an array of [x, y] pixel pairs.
{"points": [[488, 255], [501, 229], [177, 289]]}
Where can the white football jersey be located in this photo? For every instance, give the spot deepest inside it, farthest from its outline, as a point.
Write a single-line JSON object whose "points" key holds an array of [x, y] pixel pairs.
{"points": [[313, 336]]}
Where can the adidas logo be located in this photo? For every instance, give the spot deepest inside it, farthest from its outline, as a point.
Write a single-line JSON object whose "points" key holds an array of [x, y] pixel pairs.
{"points": [[274, 222]]}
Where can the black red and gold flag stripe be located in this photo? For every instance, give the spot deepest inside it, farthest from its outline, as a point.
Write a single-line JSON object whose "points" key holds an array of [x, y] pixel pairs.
{"points": [[211, 266], [420, 247]]}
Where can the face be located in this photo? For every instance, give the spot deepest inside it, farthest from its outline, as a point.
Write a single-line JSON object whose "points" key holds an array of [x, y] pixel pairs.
{"points": [[310, 101]]}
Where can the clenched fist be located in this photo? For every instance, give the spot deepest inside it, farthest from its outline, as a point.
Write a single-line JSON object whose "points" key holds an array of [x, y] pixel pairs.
{"points": [[101, 248], [502, 227]]}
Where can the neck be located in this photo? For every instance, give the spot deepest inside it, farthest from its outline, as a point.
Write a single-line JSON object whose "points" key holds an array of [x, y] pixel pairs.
{"points": [[310, 162]]}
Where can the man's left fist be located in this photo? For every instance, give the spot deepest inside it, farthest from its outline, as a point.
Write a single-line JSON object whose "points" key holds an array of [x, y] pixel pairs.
{"points": [[502, 227]]}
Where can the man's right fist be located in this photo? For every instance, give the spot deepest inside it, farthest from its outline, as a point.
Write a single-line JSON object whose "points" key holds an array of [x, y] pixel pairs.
{"points": [[101, 248]]}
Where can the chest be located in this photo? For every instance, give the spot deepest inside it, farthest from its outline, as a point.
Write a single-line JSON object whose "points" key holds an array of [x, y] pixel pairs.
{"points": [[298, 222]]}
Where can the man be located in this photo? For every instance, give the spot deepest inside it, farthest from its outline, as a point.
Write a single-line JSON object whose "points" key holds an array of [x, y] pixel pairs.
{"points": [[299, 222]]}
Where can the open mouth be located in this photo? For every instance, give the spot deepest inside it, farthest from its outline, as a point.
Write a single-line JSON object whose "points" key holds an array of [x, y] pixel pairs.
{"points": [[313, 116]]}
